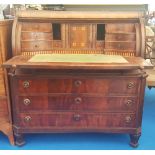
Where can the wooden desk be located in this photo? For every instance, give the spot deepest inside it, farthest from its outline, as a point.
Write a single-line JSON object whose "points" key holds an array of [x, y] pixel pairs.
{"points": [[76, 97]]}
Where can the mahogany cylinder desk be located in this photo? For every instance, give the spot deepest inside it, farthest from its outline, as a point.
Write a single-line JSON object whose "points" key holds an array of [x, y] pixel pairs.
{"points": [[5, 54], [77, 72]]}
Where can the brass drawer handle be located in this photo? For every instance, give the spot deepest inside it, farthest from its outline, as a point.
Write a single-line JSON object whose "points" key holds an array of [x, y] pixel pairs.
{"points": [[78, 100], [27, 118], [78, 83], [129, 102], [77, 117], [128, 119], [26, 101], [26, 84], [131, 85]]}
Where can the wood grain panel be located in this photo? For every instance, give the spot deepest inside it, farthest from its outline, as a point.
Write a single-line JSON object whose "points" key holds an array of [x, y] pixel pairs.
{"points": [[2, 85], [79, 36], [120, 37], [31, 36], [37, 27], [80, 85], [120, 45], [36, 45], [3, 105], [120, 27], [80, 102], [78, 119]]}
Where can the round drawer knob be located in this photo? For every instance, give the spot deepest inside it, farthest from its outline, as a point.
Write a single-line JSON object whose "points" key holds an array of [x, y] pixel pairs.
{"points": [[27, 118], [36, 46], [77, 117], [78, 83], [26, 84], [78, 100], [27, 101], [131, 85], [129, 102], [128, 119]]}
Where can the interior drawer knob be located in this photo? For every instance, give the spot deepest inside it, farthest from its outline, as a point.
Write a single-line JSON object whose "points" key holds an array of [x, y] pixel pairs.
{"points": [[129, 102], [26, 84], [78, 100], [27, 101], [128, 119], [77, 83], [131, 85], [77, 117], [27, 118]]}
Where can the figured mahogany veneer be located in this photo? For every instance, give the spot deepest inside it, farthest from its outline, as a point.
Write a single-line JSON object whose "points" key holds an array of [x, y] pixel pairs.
{"points": [[82, 85], [84, 102]]}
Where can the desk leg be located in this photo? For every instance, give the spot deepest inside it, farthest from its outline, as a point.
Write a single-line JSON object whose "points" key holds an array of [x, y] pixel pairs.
{"points": [[134, 139], [19, 140]]}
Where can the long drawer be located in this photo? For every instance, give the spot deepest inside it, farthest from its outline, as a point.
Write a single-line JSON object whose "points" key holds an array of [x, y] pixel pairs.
{"points": [[78, 120], [76, 102], [104, 86]]}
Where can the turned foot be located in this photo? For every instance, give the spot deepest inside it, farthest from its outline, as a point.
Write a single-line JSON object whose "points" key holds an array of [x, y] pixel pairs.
{"points": [[134, 139], [19, 140]]}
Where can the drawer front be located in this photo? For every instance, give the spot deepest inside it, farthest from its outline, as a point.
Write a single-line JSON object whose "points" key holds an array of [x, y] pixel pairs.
{"points": [[76, 120], [120, 45], [76, 102], [120, 37], [36, 36], [37, 27], [104, 86], [121, 27], [36, 45]]}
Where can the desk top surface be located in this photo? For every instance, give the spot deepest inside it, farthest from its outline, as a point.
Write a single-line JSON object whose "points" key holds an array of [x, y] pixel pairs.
{"points": [[76, 61]]}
